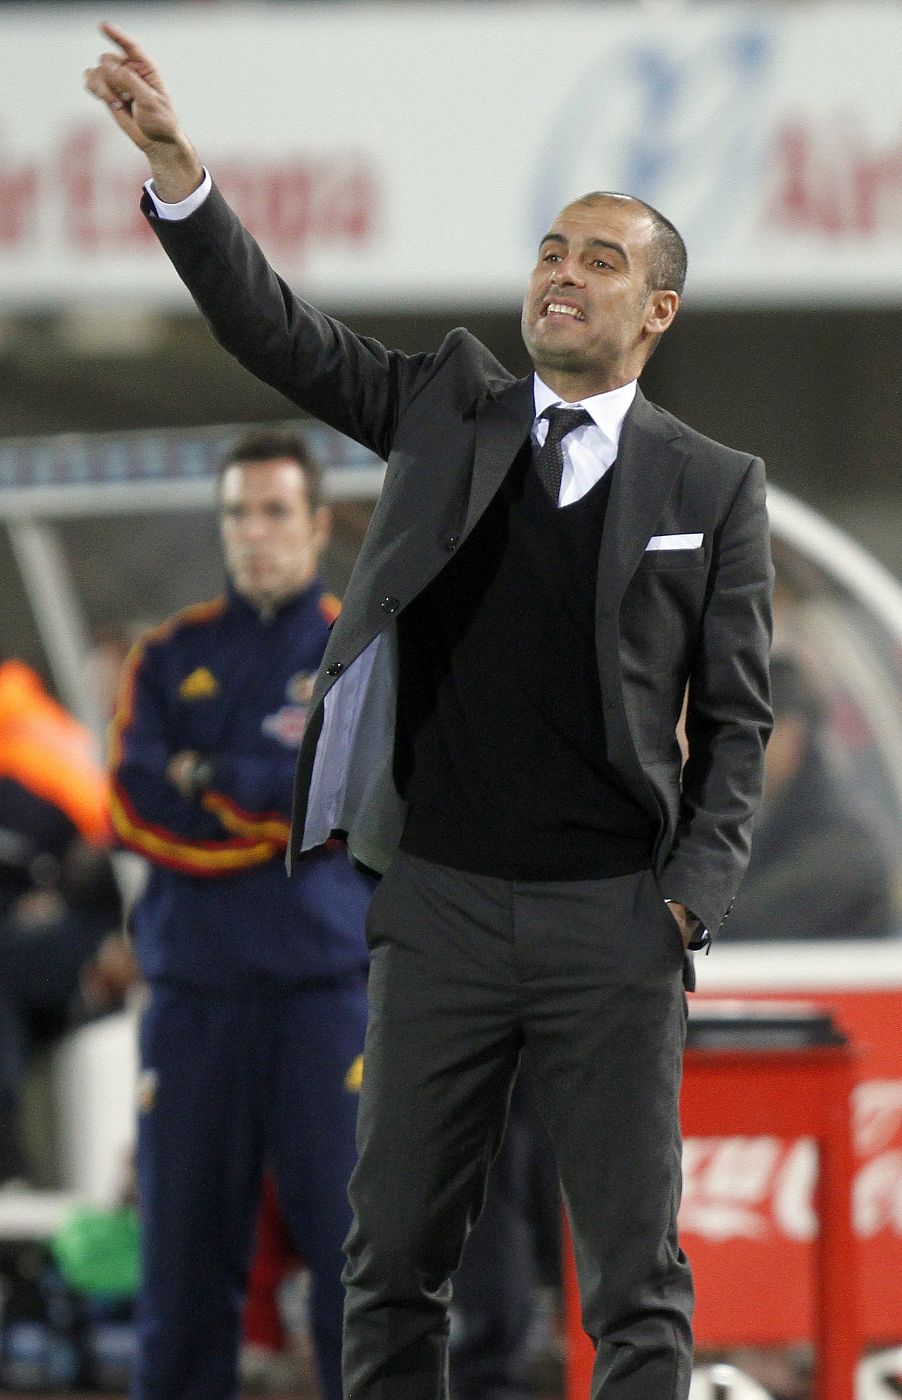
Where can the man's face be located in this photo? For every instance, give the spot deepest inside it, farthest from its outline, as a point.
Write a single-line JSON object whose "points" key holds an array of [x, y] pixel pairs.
{"points": [[270, 537], [589, 321]]}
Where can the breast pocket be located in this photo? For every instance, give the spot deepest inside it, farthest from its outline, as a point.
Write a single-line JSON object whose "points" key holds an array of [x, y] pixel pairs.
{"points": [[661, 609], [664, 559]]}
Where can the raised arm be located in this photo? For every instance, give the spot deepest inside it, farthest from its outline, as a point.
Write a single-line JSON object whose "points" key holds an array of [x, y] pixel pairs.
{"points": [[130, 86], [351, 382]]}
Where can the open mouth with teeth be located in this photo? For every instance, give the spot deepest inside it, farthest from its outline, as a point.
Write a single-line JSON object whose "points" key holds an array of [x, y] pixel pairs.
{"points": [[558, 308]]}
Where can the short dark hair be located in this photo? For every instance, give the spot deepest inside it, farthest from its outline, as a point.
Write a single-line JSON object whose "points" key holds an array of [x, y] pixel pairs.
{"points": [[667, 261], [267, 444]]}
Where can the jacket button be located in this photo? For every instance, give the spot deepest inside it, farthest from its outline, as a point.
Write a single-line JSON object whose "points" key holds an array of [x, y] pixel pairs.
{"points": [[452, 541], [335, 668], [390, 605]]}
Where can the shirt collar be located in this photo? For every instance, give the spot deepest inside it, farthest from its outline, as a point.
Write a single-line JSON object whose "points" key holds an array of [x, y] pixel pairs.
{"points": [[607, 411]]}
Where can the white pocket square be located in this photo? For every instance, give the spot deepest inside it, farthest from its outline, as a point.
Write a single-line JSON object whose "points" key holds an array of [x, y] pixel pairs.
{"points": [[674, 542]]}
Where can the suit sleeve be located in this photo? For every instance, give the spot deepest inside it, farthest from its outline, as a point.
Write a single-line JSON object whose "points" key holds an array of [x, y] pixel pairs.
{"points": [[728, 716], [149, 814], [351, 382]]}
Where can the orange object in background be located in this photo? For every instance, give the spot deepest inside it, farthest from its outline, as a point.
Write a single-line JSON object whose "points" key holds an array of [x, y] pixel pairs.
{"points": [[50, 753]]}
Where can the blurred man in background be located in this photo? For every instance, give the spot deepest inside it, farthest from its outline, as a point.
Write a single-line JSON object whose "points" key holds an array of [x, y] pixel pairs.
{"points": [[251, 1041], [822, 864], [63, 958]]}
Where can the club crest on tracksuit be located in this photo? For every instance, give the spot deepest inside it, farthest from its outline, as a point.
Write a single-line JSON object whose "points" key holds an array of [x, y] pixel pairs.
{"points": [[289, 722]]}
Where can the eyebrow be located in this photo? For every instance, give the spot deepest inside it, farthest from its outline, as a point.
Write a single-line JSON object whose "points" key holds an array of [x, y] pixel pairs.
{"points": [[590, 243]]}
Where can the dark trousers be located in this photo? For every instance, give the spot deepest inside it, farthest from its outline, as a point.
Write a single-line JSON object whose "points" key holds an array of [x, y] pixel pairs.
{"points": [[466, 972], [39, 979], [515, 1242], [231, 1082]]}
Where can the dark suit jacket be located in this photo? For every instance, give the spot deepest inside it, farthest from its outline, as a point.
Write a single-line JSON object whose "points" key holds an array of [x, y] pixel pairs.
{"points": [[449, 424]]}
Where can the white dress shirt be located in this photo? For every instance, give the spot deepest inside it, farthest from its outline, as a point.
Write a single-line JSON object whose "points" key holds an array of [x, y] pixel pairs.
{"points": [[184, 207], [590, 449]]}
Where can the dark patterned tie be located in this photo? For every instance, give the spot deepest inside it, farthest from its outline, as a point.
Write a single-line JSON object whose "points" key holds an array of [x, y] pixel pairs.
{"points": [[549, 462]]}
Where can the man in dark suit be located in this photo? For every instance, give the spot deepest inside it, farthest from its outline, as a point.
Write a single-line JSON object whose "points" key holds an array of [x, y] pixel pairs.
{"points": [[494, 729]]}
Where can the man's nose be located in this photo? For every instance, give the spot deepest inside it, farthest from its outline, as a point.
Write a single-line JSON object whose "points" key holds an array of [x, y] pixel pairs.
{"points": [[253, 526], [567, 272]]}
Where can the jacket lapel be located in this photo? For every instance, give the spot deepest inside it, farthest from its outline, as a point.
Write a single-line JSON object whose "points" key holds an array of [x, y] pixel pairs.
{"points": [[649, 461], [502, 425]]}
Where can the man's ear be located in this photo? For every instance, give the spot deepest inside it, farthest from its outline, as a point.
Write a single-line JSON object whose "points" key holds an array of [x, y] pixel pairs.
{"points": [[662, 308]]}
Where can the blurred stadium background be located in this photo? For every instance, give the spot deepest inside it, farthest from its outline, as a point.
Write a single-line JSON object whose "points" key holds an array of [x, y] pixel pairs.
{"points": [[399, 161]]}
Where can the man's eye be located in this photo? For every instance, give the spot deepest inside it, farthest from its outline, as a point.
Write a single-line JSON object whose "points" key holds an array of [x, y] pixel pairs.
{"points": [[551, 257]]}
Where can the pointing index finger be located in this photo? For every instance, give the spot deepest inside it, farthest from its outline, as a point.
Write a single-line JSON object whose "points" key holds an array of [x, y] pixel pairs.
{"points": [[127, 44]]}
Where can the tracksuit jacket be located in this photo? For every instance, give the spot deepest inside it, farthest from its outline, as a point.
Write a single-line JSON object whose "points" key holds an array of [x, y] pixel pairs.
{"points": [[233, 684]]}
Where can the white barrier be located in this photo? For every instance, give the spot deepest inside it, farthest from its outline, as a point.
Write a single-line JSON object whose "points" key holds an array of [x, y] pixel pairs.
{"points": [[95, 1072]]}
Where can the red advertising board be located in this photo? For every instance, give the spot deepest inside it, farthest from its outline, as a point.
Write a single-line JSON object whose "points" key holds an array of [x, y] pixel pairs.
{"points": [[748, 1216]]}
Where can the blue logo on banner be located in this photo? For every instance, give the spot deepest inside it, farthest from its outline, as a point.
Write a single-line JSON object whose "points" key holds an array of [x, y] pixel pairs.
{"points": [[680, 128]]}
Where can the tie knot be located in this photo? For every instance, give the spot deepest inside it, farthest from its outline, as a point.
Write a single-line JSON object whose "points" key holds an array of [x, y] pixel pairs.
{"points": [[562, 421]]}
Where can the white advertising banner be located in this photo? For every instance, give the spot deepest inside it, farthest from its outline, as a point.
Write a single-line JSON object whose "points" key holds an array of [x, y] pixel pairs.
{"points": [[414, 154]]}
